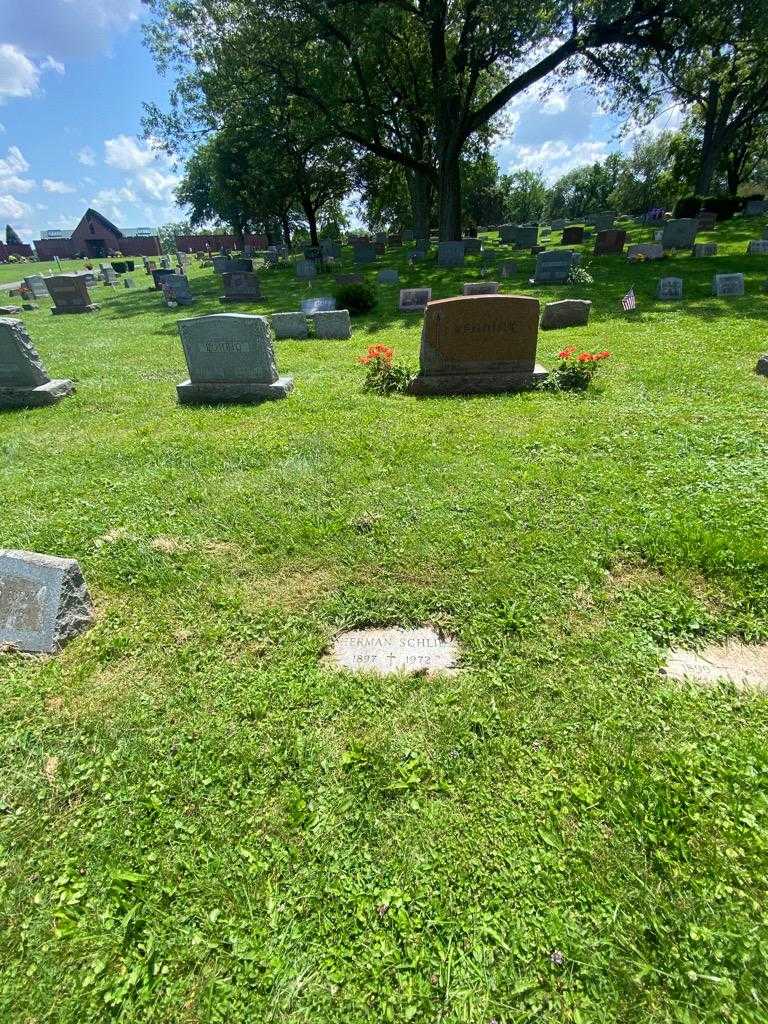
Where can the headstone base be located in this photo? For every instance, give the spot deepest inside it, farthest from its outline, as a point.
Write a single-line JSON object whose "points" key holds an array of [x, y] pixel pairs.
{"points": [[478, 383], [236, 392], [91, 308], [33, 398]]}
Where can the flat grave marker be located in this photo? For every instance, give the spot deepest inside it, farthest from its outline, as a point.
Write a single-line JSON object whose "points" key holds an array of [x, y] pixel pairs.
{"points": [[481, 288], [332, 324], [669, 289], [393, 650], [727, 286], [566, 313]]}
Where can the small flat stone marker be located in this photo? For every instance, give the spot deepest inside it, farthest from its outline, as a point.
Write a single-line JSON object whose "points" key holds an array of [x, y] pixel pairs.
{"points": [[332, 323], [481, 288], [567, 313], [394, 650], [744, 665], [44, 601], [289, 325]]}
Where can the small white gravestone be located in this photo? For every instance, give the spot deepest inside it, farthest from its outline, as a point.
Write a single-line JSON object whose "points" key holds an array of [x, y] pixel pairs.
{"points": [[393, 650]]}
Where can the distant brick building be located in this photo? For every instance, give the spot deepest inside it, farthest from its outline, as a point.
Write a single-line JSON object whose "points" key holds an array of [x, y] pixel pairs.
{"points": [[215, 243], [95, 237]]}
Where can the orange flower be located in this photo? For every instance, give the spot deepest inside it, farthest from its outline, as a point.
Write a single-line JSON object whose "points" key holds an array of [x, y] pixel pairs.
{"points": [[586, 357], [566, 353], [375, 352]]}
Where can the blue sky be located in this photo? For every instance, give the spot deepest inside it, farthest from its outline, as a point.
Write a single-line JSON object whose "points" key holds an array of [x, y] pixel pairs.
{"points": [[74, 74]]}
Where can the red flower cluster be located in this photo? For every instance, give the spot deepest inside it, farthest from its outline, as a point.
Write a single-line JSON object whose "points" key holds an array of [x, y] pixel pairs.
{"points": [[583, 357], [380, 352]]}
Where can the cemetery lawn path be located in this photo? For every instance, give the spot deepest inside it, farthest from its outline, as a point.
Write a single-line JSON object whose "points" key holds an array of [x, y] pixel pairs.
{"points": [[201, 822]]}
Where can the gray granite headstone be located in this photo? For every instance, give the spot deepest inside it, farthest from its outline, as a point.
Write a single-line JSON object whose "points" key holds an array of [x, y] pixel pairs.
{"points": [[414, 300], [669, 288], [36, 284], [450, 254], [176, 289], [506, 233], [728, 285], [108, 275], [526, 236], [388, 277], [679, 234], [756, 208], [158, 276], [231, 358], [757, 247], [473, 246], [289, 325], [554, 267], [481, 288], [332, 324], [364, 254], [567, 313], [603, 221], [508, 268], [44, 601], [24, 382], [704, 249], [762, 365], [306, 269], [648, 250], [219, 264], [70, 294], [330, 249], [241, 286], [128, 282]]}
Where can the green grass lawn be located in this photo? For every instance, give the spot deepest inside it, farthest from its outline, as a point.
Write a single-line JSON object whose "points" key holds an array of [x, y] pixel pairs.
{"points": [[10, 273], [202, 823]]}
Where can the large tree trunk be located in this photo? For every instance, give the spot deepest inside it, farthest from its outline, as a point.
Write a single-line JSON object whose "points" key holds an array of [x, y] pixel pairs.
{"points": [[420, 191], [449, 193], [311, 214], [286, 228]]}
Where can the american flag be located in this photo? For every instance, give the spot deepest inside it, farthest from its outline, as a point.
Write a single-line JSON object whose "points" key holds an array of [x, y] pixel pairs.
{"points": [[628, 302]]}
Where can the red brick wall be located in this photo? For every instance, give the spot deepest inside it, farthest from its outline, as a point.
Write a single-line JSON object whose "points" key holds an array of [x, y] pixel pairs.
{"points": [[66, 248], [214, 243], [15, 250]]}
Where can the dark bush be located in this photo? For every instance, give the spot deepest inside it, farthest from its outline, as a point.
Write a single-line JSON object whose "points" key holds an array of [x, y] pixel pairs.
{"points": [[119, 266], [724, 206], [357, 298], [687, 206]]}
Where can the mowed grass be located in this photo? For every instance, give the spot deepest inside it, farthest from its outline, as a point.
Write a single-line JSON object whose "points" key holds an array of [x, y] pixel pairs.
{"points": [[11, 273], [200, 822]]}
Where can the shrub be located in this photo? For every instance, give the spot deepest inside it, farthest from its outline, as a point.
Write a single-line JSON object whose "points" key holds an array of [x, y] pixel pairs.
{"points": [[580, 275], [688, 206], [723, 206], [575, 372], [382, 375], [357, 298]]}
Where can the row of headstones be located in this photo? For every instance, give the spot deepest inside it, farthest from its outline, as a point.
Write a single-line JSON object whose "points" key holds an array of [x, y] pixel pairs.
{"points": [[723, 285], [478, 342]]}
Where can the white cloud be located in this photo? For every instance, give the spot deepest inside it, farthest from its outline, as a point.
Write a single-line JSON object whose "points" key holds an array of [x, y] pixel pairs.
{"points": [[114, 195], [87, 157], [555, 157], [15, 184], [555, 102], [53, 64], [65, 28], [128, 154], [14, 163], [57, 186], [18, 75], [158, 185], [11, 208]]}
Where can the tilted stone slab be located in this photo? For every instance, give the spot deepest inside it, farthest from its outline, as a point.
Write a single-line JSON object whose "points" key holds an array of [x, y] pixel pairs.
{"points": [[24, 382], [44, 601]]}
